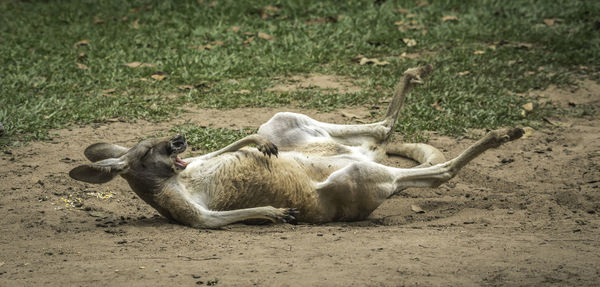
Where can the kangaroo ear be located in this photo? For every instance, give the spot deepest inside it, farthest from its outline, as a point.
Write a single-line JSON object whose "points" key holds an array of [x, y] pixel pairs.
{"points": [[99, 172], [100, 151]]}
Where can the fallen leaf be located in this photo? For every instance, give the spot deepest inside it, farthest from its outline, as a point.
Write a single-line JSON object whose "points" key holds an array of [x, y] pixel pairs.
{"points": [[248, 41], [349, 115], [401, 11], [124, 19], [437, 107], [374, 62], [530, 73], [399, 23], [212, 4], [526, 46], [81, 66], [185, 87], [81, 56], [265, 36], [205, 47], [528, 132], [98, 20], [133, 64], [411, 15], [82, 43], [235, 29], [528, 107], [140, 65], [422, 4], [218, 43], [271, 8], [242, 92], [464, 73], [449, 18], [159, 76], [549, 21], [109, 91], [135, 24], [479, 52], [416, 208], [409, 42]]}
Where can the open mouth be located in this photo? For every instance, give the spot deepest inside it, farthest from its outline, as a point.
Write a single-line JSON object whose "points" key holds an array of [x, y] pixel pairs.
{"points": [[179, 163], [178, 145]]}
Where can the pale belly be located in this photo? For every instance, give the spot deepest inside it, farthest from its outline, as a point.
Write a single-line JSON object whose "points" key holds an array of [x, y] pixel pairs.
{"points": [[247, 178]]}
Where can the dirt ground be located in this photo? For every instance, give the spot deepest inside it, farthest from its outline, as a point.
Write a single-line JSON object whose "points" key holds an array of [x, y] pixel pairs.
{"points": [[523, 214]]}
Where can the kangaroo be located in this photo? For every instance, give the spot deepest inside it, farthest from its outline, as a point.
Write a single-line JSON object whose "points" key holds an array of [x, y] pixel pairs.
{"points": [[300, 169]]}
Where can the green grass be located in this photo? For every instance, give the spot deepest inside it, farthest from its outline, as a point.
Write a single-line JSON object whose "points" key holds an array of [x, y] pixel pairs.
{"points": [[42, 87]]}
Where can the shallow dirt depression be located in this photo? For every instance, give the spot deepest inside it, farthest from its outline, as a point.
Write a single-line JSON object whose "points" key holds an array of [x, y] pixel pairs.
{"points": [[524, 214]]}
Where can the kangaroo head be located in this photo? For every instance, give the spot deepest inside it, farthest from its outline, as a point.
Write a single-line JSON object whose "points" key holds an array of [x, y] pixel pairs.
{"points": [[150, 161]]}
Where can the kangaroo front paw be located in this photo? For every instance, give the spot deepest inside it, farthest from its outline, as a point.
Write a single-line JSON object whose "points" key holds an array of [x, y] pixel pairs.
{"points": [[268, 148], [286, 215]]}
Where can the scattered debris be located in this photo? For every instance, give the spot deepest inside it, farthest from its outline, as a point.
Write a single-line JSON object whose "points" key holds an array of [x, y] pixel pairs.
{"points": [[416, 208]]}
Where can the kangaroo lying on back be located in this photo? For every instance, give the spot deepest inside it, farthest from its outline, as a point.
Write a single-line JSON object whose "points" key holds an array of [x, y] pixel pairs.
{"points": [[320, 172]]}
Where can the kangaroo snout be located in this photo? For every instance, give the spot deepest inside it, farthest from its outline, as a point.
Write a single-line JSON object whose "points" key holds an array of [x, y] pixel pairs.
{"points": [[178, 144]]}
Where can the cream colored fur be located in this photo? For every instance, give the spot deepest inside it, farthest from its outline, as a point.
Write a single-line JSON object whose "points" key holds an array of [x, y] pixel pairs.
{"points": [[301, 169]]}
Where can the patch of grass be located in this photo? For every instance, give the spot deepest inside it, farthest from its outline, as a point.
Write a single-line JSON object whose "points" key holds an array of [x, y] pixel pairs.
{"points": [[506, 48], [203, 139]]}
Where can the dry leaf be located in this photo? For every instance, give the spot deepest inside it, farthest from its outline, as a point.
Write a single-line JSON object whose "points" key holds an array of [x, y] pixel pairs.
{"points": [[82, 43], [124, 19], [399, 23], [81, 56], [212, 4], [416, 208], [549, 21], [464, 73], [242, 92], [271, 8], [422, 4], [437, 107], [528, 107], [235, 29], [265, 36], [530, 73], [133, 64], [140, 65], [135, 24], [81, 66], [185, 87], [479, 52], [205, 47], [109, 91], [528, 132], [411, 15], [449, 18], [218, 43], [159, 76], [374, 62], [409, 42], [349, 115], [401, 11], [248, 41], [98, 20]]}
